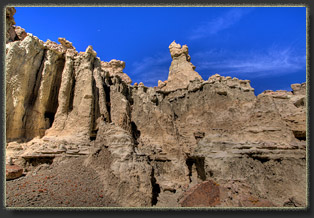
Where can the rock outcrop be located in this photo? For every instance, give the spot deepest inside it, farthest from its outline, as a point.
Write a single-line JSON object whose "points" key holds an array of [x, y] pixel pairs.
{"points": [[167, 146]]}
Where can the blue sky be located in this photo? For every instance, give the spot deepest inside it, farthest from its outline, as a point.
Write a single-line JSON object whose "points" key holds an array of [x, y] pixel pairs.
{"points": [[266, 45]]}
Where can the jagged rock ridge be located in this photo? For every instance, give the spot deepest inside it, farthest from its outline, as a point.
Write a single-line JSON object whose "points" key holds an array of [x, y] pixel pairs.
{"points": [[155, 146]]}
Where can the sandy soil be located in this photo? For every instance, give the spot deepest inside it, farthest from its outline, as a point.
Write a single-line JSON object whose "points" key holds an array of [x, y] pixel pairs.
{"points": [[64, 183]]}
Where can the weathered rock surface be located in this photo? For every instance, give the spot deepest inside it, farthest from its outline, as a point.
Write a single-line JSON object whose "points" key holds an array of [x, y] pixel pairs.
{"points": [[125, 174], [151, 146]]}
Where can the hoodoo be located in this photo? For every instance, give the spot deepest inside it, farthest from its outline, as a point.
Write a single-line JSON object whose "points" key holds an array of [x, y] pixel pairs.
{"points": [[181, 71]]}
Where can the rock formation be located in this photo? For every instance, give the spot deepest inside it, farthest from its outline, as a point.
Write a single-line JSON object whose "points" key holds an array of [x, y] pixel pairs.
{"points": [[167, 146], [181, 71], [13, 171], [115, 68]]}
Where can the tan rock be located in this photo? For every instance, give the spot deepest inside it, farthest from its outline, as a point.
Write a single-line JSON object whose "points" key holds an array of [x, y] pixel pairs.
{"points": [[181, 71], [299, 89], [76, 118], [23, 64], [66, 43], [118, 166], [115, 68], [91, 51], [10, 30], [20, 32]]}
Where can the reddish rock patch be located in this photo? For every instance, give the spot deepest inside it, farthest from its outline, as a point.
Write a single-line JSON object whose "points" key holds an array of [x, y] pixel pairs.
{"points": [[13, 171], [205, 194], [255, 202]]}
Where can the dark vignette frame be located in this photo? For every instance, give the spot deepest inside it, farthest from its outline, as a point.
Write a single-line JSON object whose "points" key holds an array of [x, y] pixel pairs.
{"points": [[307, 212]]}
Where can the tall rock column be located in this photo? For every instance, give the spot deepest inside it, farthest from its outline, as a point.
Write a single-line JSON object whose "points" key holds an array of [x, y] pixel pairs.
{"points": [[40, 115], [66, 86], [78, 107], [99, 77], [24, 63], [181, 71]]}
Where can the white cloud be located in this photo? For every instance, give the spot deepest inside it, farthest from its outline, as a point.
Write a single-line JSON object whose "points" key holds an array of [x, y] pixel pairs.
{"points": [[218, 24], [274, 61], [144, 65], [151, 69]]}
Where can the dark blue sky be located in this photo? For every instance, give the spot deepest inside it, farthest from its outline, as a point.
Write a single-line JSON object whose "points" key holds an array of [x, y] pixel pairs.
{"points": [[266, 45]]}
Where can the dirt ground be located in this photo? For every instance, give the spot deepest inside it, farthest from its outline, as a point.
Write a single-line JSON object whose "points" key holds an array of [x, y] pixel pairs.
{"points": [[65, 183]]}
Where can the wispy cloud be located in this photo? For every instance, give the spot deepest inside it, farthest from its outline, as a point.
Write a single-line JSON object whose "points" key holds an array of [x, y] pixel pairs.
{"points": [[218, 24], [273, 61], [151, 69]]}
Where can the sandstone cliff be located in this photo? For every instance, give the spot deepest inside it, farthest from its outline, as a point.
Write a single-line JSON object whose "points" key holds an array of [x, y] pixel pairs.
{"points": [[160, 146]]}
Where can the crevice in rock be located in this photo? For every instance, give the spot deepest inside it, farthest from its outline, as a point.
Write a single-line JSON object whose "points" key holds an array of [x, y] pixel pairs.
{"points": [[107, 91], [93, 135], [175, 116], [135, 132], [300, 135], [262, 159], [171, 190], [35, 161], [96, 111], [278, 160], [198, 136], [72, 94], [154, 99], [300, 103], [161, 160], [189, 163], [50, 116], [155, 188], [52, 103], [199, 163], [33, 96]]}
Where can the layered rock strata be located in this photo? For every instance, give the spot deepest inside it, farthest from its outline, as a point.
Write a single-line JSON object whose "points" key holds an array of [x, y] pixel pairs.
{"points": [[157, 146]]}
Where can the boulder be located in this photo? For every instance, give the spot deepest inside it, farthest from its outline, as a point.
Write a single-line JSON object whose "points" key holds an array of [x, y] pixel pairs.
{"points": [[205, 194], [13, 171]]}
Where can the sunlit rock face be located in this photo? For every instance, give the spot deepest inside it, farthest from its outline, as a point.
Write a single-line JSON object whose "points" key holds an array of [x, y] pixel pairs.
{"points": [[181, 71], [167, 146]]}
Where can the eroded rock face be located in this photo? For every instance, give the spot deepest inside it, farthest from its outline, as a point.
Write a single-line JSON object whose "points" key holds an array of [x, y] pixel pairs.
{"points": [[25, 62], [118, 166], [151, 146]]}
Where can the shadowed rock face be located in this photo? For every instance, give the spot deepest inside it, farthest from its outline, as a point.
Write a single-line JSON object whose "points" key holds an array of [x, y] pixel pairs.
{"points": [[155, 146]]}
